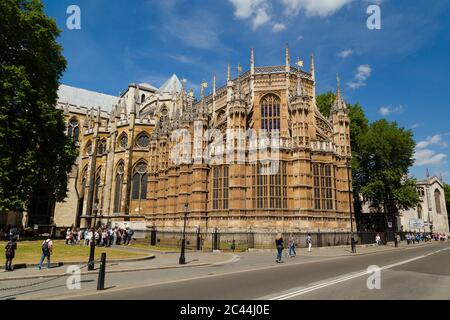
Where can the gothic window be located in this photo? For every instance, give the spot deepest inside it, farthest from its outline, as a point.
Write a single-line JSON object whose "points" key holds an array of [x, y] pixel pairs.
{"points": [[123, 141], [73, 130], [220, 187], [323, 187], [143, 140], [139, 184], [88, 149], [118, 187], [270, 112], [143, 98], [269, 190], [419, 211], [437, 199], [102, 147]]}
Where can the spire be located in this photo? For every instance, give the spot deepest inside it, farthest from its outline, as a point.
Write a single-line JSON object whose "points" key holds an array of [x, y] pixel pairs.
{"points": [[214, 85], [312, 68], [299, 77], [338, 80], [203, 85], [229, 73], [252, 61], [238, 85], [339, 103], [288, 58], [428, 173]]}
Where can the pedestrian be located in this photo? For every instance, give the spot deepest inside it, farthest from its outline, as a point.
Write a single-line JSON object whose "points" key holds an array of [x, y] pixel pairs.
{"points": [[309, 242], [10, 251], [280, 246], [291, 246], [378, 239], [67, 236], [47, 251], [130, 233]]}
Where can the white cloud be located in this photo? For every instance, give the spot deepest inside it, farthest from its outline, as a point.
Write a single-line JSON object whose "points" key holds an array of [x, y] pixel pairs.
{"points": [[300, 37], [429, 157], [434, 140], [256, 10], [345, 53], [321, 8], [363, 72], [277, 27], [417, 125], [385, 111]]}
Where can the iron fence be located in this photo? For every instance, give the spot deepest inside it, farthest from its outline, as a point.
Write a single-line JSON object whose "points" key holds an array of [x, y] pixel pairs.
{"points": [[228, 241]]}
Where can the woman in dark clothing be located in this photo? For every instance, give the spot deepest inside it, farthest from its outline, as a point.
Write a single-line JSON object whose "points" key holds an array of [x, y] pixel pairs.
{"points": [[280, 246], [10, 251]]}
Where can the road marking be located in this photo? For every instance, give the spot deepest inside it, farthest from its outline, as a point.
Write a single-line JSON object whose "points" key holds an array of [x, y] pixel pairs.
{"points": [[346, 278], [96, 293]]}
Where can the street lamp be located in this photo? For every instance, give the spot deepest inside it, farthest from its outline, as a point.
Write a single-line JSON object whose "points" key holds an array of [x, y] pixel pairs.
{"points": [[183, 241], [350, 206], [92, 248]]}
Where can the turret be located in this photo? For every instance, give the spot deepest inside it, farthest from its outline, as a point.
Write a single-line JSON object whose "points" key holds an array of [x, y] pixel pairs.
{"points": [[341, 123]]}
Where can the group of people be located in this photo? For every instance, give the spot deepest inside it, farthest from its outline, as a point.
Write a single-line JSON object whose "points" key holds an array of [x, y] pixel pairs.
{"points": [[9, 233], [103, 237], [279, 242], [412, 238]]}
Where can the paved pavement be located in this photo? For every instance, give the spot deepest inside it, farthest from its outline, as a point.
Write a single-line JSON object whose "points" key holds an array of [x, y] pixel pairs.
{"points": [[255, 275]]}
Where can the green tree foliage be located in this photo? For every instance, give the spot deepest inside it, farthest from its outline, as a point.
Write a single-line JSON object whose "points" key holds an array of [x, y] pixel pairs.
{"points": [[382, 154], [385, 154], [35, 154], [324, 103], [447, 198]]}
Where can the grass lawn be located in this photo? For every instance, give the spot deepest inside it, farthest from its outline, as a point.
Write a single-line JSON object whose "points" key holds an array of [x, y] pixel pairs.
{"points": [[30, 252]]}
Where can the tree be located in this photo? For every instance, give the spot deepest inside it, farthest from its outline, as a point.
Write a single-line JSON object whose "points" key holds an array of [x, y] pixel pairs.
{"points": [[35, 154], [447, 198], [324, 103], [385, 154]]}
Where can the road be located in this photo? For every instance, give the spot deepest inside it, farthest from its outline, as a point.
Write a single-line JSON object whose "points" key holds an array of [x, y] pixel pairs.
{"points": [[415, 273]]}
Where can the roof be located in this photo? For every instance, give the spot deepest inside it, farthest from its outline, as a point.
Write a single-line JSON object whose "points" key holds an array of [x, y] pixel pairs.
{"points": [[147, 86], [171, 85], [86, 98]]}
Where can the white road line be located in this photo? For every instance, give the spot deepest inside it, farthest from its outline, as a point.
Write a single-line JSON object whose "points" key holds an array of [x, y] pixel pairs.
{"points": [[346, 278]]}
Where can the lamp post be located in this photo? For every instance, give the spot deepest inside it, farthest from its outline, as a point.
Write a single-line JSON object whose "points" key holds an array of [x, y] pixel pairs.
{"points": [[183, 241], [92, 248], [350, 205]]}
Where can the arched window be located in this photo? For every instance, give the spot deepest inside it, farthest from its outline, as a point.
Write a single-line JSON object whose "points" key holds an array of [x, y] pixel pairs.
{"points": [[139, 185], [123, 141], [143, 98], [102, 147], [437, 199], [143, 140], [419, 211], [88, 149], [118, 187], [270, 112], [73, 129]]}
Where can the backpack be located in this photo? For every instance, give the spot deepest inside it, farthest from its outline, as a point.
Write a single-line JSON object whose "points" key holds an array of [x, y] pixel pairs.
{"points": [[45, 248]]}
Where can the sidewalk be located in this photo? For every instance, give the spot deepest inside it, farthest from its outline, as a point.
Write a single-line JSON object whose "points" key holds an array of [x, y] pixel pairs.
{"points": [[160, 261], [341, 251]]}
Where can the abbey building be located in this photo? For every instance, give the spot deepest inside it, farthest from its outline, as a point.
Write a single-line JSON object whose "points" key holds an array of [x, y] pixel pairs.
{"points": [[255, 154]]}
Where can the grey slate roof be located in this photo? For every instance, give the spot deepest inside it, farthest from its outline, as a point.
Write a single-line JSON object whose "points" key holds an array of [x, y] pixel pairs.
{"points": [[86, 98]]}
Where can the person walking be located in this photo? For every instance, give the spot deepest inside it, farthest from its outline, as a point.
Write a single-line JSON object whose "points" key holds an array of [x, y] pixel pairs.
{"points": [[10, 251], [309, 242], [280, 246], [378, 240], [291, 246], [47, 251]]}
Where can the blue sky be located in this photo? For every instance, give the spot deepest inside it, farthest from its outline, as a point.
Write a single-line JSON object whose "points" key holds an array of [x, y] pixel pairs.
{"points": [[401, 72]]}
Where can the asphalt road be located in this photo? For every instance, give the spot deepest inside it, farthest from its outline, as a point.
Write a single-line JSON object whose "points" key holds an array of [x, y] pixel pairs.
{"points": [[413, 273], [419, 273]]}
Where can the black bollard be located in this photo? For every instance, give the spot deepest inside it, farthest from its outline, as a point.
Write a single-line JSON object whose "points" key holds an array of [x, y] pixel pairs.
{"points": [[101, 273], [91, 262]]}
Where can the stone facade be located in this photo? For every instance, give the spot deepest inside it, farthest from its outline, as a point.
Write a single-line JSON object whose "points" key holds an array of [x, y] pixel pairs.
{"points": [[432, 211], [143, 160]]}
